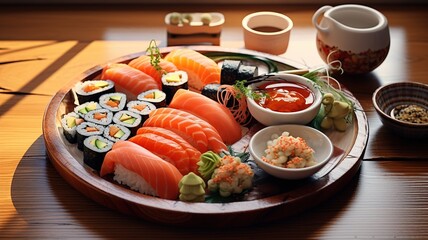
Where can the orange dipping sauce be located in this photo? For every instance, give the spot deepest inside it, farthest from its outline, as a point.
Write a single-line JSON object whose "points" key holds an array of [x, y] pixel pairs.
{"points": [[285, 96]]}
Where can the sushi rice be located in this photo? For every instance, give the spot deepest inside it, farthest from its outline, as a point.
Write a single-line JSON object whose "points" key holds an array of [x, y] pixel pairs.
{"points": [[146, 107], [91, 90], [84, 108], [109, 100], [132, 180], [124, 135], [155, 96], [106, 119], [70, 132], [82, 132]]}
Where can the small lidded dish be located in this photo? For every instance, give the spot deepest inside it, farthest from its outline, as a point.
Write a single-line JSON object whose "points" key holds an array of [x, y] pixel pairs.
{"points": [[290, 151], [284, 99], [403, 108]]}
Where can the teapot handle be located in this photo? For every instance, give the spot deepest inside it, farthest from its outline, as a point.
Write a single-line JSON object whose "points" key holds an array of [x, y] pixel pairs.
{"points": [[317, 15]]}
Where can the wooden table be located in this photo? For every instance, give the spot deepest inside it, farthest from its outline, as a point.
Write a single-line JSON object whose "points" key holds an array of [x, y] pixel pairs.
{"points": [[387, 198]]}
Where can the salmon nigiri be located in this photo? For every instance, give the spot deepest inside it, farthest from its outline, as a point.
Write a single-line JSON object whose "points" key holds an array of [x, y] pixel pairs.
{"points": [[129, 78], [143, 63], [193, 153], [215, 142], [209, 110], [166, 149], [201, 70], [189, 130], [142, 170]]}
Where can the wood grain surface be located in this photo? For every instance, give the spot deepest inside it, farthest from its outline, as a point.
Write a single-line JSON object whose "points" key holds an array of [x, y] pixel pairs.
{"points": [[386, 199]]}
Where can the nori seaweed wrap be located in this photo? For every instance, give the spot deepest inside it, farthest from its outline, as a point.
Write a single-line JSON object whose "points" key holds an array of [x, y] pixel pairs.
{"points": [[173, 81], [87, 129], [94, 151], [91, 90], [141, 107], [229, 71], [69, 122]]}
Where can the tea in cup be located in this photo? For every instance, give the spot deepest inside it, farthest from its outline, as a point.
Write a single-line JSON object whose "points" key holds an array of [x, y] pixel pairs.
{"points": [[267, 32]]}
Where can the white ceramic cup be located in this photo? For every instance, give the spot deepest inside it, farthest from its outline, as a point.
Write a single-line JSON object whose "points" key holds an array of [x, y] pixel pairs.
{"points": [[267, 32]]}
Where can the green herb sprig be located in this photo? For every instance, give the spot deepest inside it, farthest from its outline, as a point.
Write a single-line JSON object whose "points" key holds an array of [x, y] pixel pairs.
{"points": [[155, 55]]}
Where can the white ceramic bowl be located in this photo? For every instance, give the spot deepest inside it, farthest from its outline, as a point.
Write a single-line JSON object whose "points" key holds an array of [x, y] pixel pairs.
{"points": [[268, 117], [317, 140]]}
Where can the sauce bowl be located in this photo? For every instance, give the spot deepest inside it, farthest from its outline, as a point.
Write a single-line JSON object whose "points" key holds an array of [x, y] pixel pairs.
{"points": [[269, 117]]}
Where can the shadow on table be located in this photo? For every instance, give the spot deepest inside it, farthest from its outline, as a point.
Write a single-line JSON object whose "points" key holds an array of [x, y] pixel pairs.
{"points": [[50, 207]]}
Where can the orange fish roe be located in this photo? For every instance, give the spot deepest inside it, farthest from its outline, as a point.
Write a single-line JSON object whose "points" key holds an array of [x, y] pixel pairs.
{"points": [[288, 152], [232, 176]]}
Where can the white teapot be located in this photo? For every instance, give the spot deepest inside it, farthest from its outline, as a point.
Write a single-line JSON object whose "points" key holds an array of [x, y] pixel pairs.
{"points": [[355, 35]]}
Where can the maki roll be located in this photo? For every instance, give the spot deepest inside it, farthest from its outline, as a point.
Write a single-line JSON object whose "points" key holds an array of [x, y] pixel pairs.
{"points": [[113, 101], [129, 119], [87, 129], [173, 81], [100, 116], [69, 123], [233, 70], [155, 96], [84, 108], [116, 132], [215, 90], [91, 90], [94, 151], [229, 71], [246, 72], [141, 107]]}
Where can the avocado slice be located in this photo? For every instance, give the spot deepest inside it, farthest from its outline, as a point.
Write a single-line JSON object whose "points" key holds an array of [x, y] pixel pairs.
{"points": [[100, 144], [101, 84], [91, 106], [119, 134], [71, 122], [83, 110], [116, 98], [124, 117], [130, 120]]}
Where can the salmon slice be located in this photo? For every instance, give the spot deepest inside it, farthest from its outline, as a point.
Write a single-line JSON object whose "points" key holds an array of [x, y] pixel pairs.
{"points": [[193, 153], [143, 64], [215, 142], [201, 70], [164, 148], [211, 111], [186, 128], [162, 176], [129, 78]]}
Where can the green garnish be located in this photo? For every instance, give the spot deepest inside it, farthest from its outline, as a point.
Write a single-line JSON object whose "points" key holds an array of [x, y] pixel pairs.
{"points": [[155, 55], [246, 91]]}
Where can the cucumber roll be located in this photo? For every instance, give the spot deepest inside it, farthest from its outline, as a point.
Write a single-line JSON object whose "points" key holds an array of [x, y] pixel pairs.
{"points": [[100, 116], [141, 107], [129, 119], [229, 71], [116, 132], [87, 129], [69, 122], [91, 90], [155, 96], [84, 108], [173, 81], [94, 151], [113, 101]]}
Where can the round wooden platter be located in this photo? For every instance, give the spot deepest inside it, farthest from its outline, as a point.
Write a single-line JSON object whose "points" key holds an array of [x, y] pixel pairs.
{"points": [[271, 199]]}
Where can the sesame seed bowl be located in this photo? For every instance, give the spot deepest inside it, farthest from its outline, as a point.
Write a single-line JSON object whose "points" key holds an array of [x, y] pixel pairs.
{"points": [[403, 107]]}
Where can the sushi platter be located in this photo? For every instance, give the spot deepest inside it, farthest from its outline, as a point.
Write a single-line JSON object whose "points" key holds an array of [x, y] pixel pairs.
{"points": [[270, 199]]}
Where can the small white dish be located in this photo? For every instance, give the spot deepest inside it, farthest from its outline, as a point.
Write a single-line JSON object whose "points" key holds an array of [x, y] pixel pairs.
{"points": [[318, 141], [269, 117]]}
